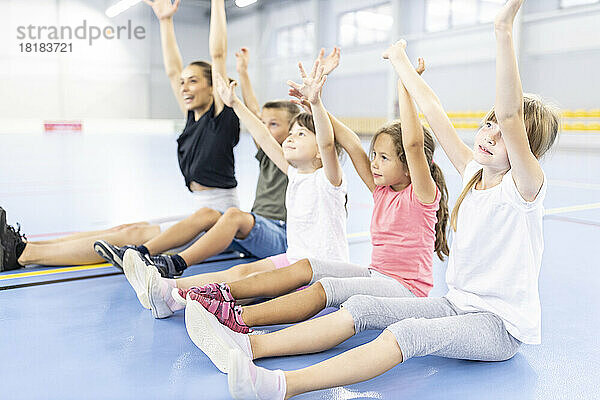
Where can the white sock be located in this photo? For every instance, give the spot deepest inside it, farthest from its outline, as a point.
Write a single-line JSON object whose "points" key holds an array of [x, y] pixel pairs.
{"points": [[166, 285], [268, 384]]}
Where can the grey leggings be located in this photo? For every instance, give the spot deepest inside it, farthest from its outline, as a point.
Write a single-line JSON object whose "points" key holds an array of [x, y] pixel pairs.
{"points": [[341, 280], [424, 326]]}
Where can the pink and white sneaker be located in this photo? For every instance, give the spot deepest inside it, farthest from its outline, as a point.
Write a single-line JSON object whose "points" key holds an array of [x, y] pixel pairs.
{"points": [[217, 291], [226, 312]]}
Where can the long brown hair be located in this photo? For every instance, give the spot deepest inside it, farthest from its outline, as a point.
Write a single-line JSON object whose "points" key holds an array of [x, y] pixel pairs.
{"points": [[395, 132], [542, 122]]}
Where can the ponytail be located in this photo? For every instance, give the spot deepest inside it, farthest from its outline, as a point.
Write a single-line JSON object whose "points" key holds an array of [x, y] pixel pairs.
{"points": [[441, 242], [470, 185]]}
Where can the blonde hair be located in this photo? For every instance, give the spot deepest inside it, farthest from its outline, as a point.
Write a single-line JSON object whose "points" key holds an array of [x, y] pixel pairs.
{"points": [[542, 122], [395, 132]]}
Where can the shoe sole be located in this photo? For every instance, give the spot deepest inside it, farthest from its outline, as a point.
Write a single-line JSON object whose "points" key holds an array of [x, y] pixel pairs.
{"points": [[153, 306], [106, 252], [204, 336], [135, 270]]}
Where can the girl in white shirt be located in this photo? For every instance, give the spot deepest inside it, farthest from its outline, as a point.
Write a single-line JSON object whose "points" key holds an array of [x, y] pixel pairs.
{"points": [[493, 302]]}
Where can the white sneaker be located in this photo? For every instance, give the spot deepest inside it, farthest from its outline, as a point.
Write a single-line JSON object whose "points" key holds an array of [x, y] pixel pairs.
{"points": [[213, 338], [137, 271], [158, 304]]}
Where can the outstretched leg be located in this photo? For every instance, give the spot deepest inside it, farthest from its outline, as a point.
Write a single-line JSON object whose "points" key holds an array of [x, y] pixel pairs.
{"points": [[80, 250], [235, 273], [233, 224], [94, 234], [183, 231]]}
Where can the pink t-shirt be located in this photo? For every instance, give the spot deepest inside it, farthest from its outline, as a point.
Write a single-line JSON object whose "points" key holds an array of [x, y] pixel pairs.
{"points": [[403, 237]]}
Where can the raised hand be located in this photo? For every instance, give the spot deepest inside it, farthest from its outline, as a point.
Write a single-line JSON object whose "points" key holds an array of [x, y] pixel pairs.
{"points": [[395, 49], [421, 66], [506, 16], [242, 58], [226, 91], [311, 84], [330, 62], [163, 9], [300, 100]]}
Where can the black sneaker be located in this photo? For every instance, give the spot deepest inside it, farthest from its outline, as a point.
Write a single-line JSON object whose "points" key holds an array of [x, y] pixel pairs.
{"points": [[12, 244], [112, 254], [166, 266]]}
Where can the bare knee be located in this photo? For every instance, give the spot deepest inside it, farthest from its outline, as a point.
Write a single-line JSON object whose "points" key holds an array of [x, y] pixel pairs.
{"points": [[304, 270], [242, 220], [316, 290], [388, 339], [205, 214], [139, 234], [242, 271]]}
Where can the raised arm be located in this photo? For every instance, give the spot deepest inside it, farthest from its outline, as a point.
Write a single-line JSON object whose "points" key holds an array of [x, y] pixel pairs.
{"points": [[458, 152], [242, 58], [260, 133], [526, 170], [217, 43], [413, 143], [311, 89], [347, 138], [164, 10]]}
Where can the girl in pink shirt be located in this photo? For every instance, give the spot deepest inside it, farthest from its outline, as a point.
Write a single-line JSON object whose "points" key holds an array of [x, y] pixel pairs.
{"points": [[408, 225]]}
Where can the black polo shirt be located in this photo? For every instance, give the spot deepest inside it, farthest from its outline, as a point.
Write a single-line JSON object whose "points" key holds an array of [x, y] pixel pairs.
{"points": [[205, 148]]}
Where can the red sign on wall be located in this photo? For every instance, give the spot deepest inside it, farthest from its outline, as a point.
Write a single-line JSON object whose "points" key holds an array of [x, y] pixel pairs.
{"points": [[63, 126]]}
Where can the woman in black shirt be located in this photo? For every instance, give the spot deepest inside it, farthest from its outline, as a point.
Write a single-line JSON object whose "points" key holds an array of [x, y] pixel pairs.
{"points": [[205, 148]]}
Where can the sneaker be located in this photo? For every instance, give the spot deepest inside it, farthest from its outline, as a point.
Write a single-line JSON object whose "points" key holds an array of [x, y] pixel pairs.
{"points": [[214, 339], [247, 381], [165, 265], [12, 244], [216, 291], [158, 304], [112, 254], [137, 271], [226, 313]]}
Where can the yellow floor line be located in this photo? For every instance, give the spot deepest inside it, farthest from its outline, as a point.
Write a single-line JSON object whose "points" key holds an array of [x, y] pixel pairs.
{"points": [[581, 207], [104, 265], [54, 271]]}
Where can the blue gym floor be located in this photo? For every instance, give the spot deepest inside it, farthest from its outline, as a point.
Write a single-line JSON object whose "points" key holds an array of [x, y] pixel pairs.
{"points": [[88, 337]]}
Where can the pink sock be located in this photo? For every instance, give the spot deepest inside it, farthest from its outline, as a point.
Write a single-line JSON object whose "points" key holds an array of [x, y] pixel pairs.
{"points": [[166, 285]]}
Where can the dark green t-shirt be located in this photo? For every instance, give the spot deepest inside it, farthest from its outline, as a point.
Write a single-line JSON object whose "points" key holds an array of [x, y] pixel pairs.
{"points": [[270, 189]]}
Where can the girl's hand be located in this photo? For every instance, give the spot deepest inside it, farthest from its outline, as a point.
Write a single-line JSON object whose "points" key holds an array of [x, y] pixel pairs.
{"points": [[395, 49], [421, 67], [163, 9], [226, 91], [311, 84], [330, 62], [506, 16], [300, 100], [242, 58]]}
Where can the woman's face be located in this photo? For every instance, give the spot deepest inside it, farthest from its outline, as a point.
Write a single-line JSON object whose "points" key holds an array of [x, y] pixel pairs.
{"points": [[194, 88]]}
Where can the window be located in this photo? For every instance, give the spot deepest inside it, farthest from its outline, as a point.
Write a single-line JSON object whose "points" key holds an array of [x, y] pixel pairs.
{"points": [[295, 40], [365, 26], [445, 14], [571, 3]]}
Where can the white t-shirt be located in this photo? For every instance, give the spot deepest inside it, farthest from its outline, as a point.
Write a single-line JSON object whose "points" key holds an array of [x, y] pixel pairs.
{"points": [[496, 254], [316, 217]]}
